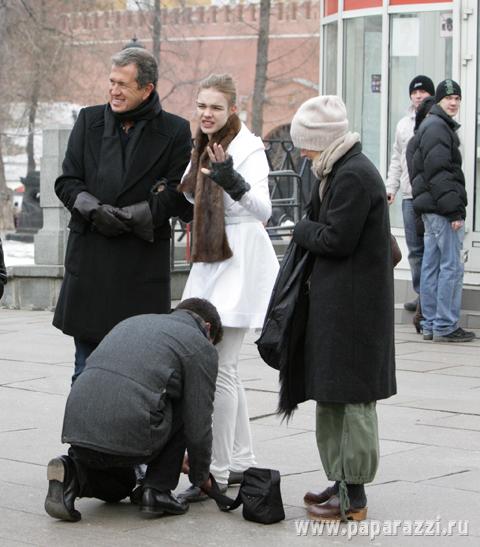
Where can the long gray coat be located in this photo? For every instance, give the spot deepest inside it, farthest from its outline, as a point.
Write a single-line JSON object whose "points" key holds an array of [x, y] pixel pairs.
{"points": [[122, 402], [349, 340]]}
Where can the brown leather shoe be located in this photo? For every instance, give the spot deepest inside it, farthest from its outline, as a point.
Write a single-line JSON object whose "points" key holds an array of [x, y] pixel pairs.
{"points": [[330, 510], [310, 498]]}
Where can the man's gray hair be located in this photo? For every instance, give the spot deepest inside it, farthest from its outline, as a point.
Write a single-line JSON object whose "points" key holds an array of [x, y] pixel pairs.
{"points": [[144, 61]]}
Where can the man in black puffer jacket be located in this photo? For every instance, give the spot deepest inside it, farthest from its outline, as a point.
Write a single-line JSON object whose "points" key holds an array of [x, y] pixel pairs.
{"points": [[439, 194]]}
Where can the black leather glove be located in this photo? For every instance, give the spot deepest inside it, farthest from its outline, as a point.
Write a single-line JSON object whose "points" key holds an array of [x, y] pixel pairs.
{"points": [[138, 218], [105, 218], [110, 221], [85, 204], [223, 173]]}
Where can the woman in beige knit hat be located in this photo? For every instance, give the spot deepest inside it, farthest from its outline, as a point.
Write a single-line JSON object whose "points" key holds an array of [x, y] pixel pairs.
{"points": [[349, 360]]}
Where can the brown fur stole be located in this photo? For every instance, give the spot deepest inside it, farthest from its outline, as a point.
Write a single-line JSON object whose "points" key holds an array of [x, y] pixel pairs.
{"points": [[210, 243]]}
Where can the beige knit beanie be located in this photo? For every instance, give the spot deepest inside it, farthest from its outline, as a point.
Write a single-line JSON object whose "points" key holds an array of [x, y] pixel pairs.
{"points": [[318, 122]]}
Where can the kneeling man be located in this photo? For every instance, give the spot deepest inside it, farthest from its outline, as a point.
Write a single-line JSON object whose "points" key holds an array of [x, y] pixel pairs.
{"points": [[146, 396]]}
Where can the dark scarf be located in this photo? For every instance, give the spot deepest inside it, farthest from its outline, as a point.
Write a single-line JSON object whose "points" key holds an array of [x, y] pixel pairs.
{"points": [[147, 110], [114, 164], [210, 243]]}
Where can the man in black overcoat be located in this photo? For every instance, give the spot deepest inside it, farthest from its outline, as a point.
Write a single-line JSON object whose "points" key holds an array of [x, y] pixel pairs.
{"points": [[145, 396], [121, 169]]}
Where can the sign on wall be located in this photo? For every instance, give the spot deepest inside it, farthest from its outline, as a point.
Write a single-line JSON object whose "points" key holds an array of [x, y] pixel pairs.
{"points": [[446, 25], [405, 37]]}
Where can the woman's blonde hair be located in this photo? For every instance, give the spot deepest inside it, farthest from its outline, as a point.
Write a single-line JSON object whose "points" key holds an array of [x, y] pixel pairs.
{"points": [[223, 83]]}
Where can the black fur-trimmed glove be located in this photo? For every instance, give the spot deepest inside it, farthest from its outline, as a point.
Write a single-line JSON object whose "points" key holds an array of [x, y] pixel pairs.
{"points": [[223, 173]]}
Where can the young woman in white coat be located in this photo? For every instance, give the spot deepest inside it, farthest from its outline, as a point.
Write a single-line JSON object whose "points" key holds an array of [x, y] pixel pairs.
{"points": [[234, 263]]}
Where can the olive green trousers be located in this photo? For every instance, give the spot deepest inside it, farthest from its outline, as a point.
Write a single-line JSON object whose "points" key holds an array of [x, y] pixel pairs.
{"points": [[347, 440]]}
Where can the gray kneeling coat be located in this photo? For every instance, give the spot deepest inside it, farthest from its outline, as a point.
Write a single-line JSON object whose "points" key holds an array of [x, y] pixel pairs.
{"points": [[122, 402]]}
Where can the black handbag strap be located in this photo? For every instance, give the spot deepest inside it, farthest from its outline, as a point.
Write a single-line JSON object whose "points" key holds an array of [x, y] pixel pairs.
{"points": [[224, 502]]}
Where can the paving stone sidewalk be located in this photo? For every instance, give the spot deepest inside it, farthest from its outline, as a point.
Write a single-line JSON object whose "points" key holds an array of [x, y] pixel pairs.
{"points": [[429, 470]]}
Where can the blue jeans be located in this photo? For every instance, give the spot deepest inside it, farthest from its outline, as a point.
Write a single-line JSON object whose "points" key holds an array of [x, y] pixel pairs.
{"points": [[82, 351], [414, 243], [442, 275]]}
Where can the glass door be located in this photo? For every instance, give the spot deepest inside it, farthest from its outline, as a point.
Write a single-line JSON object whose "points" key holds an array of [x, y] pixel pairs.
{"points": [[420, 43]]}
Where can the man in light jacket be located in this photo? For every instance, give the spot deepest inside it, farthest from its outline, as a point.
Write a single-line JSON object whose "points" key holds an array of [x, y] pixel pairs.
{"points": [[397, 179], [145, 396]]}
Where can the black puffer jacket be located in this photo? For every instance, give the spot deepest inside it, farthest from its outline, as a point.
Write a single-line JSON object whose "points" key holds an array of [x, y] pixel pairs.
{"points": [[3, 271], [438, 182]]}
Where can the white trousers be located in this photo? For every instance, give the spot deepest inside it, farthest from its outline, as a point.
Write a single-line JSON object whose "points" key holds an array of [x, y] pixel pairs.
{"points": [[232, 448]]}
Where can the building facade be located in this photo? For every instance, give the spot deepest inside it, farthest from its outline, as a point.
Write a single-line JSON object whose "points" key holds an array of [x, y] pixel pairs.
{"points": [[196, 41], [371, 49]]}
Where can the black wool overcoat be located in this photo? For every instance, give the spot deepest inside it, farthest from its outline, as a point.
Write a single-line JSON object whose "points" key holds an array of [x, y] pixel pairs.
{"points": [[349, 338], [109, 279]]}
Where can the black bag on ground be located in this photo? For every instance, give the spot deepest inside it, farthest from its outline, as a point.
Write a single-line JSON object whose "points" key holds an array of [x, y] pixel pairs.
{"points": [[259, 493]]}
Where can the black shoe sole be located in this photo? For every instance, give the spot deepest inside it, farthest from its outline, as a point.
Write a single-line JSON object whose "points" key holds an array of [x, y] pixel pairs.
{"points": [[158, 511], [452, 340], [54, 502]]}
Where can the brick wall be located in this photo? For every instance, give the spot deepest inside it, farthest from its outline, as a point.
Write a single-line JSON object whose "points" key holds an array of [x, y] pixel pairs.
{"points": [[195, 42]]}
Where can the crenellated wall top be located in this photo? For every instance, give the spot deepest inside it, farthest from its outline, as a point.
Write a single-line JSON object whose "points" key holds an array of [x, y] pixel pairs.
{"points": [[198, 15]]}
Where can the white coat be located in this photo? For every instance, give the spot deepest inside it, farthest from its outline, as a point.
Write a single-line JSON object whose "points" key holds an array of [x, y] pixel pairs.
{"points": [[398, 177], [240, 287]]}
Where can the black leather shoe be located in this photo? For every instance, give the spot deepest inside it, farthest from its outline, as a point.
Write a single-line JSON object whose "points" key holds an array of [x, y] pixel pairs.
{"points": [[194, 493], [411, 306], [158, 503], [62, 489], [235, 477], [458, 335]]}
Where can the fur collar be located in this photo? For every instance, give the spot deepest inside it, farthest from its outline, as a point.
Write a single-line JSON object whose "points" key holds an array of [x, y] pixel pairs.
{"points": [[210, 243]]}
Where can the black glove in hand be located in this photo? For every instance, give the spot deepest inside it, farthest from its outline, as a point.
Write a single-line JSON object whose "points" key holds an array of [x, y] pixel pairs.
{"points": [[223, 173], [138, 218], [110, 221], [85, 204]]}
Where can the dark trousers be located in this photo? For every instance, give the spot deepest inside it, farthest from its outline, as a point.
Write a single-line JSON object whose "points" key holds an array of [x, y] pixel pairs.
{"points": [[111, 477], [83, 349]]}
